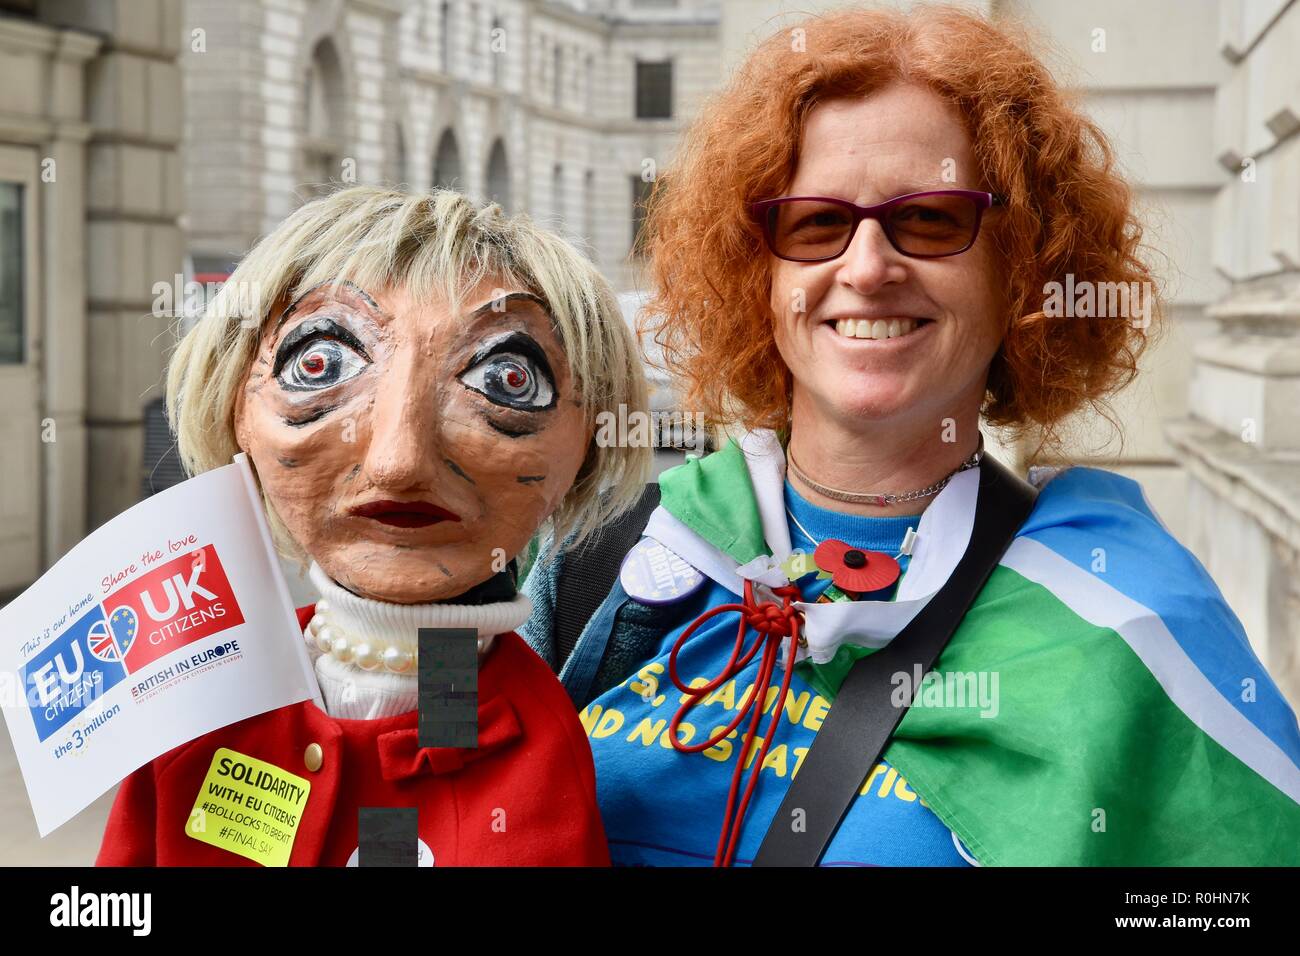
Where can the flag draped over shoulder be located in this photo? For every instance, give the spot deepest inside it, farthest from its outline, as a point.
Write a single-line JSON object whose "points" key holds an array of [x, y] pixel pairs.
{"points": [[1099, 704]]}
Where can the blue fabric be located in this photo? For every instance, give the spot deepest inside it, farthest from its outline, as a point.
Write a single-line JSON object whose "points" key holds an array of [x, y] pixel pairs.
{"points": [[583, 664], [663, 807], [1083, 506]]}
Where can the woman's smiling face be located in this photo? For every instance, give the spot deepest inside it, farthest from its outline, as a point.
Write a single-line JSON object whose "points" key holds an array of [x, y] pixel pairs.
{"points": [[899, 140], [411, 451]]}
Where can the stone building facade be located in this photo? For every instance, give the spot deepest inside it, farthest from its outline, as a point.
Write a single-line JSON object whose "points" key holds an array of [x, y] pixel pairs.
{"points": [[1239, 445], [90, 192], [532, 103], [90, 195]]}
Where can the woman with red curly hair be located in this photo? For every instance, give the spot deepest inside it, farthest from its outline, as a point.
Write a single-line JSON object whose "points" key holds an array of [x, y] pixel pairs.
{"points": [[887, 227]]}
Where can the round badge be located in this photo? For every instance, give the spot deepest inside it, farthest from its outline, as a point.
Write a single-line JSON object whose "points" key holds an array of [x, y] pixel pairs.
{"points": [[651, 574], [423, 855]]}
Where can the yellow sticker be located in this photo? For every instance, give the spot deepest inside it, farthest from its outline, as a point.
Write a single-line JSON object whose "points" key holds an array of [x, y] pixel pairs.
{"points": [[798, 564], [249, 807]]}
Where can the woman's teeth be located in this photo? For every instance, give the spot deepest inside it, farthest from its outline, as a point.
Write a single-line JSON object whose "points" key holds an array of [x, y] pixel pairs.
{"points": [[878, 329]]}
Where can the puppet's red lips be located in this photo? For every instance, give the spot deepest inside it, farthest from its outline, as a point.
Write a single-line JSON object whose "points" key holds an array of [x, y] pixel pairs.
{"points": [[404, 514]]}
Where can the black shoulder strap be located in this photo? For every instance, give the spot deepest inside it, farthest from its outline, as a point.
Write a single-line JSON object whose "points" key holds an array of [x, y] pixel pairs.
{"points": [[864, 716], [589, 572]]}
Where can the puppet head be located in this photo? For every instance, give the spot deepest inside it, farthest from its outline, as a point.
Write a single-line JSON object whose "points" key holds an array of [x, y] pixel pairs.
{"points": [[415, 379]]}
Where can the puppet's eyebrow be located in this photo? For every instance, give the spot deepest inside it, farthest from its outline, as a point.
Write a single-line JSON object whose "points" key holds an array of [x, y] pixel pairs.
{"points": [[346, 285], [487, 307]]}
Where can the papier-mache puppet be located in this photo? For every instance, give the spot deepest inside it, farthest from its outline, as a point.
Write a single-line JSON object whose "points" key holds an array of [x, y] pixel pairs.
{"points": [[416, 398]]}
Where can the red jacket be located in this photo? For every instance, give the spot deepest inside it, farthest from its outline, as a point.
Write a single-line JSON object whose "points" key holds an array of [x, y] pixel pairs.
{"points": [[525, 797]]}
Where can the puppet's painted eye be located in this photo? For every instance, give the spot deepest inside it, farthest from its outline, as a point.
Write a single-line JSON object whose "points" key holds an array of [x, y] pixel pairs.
{"points": [[320, 363], [511, 379]]}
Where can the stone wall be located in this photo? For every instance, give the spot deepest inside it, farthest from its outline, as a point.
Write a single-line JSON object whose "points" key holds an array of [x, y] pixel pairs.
{"points": [[1240, 442]]}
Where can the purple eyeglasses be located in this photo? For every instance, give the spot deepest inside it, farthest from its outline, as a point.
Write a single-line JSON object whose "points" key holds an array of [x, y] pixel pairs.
{"points": [[926, 225]]}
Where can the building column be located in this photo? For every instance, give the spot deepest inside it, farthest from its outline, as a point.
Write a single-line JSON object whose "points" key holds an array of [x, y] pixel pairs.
{"points": [[1241, 443], [133, 240], [63, 392]]}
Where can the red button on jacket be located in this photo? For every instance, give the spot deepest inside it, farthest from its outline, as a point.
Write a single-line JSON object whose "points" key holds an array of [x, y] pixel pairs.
{"points": [[525, 797]]}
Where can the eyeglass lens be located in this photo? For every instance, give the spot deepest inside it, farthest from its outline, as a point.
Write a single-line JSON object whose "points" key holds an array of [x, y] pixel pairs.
{"points": [[925, 226]]}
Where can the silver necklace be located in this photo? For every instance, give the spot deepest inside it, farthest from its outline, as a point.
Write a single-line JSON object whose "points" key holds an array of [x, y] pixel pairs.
{"points": [[886, 498], [814, 541]]}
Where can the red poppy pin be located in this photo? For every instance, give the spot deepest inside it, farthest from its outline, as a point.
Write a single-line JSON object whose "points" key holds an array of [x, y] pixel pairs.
{"points": [[855, 570]]}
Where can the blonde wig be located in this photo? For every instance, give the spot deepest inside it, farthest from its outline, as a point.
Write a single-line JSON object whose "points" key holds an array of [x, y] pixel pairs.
{"points": [[439, 245]]}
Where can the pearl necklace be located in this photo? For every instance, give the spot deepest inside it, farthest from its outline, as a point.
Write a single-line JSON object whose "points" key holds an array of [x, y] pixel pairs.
{"points": [[327, 636]]}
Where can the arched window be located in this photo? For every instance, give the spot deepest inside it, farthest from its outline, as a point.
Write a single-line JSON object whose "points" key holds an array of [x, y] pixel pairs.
{"points": [[324, 110], [446, 162], [498, 176], [557, 75], [557, 197], [589, 91], [589, 208], [398, 175], [495, 40], [445, 27]]}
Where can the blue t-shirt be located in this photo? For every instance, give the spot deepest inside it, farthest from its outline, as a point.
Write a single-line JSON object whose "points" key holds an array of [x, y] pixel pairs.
{"points": [[662, 807]]}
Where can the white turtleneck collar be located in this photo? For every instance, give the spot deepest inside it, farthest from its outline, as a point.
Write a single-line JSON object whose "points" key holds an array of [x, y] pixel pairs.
{"points": [[353, 693]]}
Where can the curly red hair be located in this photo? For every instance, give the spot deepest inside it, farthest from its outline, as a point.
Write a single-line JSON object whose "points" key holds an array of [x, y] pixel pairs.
{"points": [[1069, 211]]}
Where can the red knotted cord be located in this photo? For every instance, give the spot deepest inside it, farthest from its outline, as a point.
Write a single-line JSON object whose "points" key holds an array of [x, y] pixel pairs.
{"points": [[773, 622]]}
